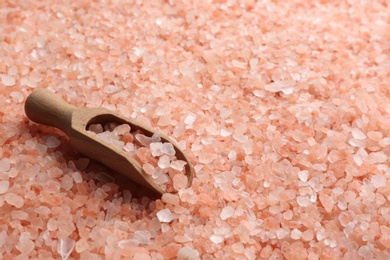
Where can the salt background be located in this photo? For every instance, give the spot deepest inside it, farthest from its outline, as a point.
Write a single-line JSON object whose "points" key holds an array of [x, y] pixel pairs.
{"points": [[282, 106]]}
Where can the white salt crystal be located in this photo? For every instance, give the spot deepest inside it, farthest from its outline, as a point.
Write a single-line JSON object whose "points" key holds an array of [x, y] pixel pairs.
{"points": [[216, 239], [129, 147], [296, 234], [142, 236], [378, 181], [190, 119], [5, 165], [186, 253], [168, 148], [52, 142], [155, 148], [156, 137], [165, 216], [226, 212], [358, 134], [4, 186], [225, 133], [303, 175], [7, 80], [164, 162], [178, 165], [65, 247]]}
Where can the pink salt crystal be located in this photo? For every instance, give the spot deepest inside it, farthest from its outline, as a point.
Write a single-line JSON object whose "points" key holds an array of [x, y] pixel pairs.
{"points": [[186, 253], [14, 200], [142, 236], [170, 198], [25, 245], [376, 157], [122, 129], [358, 134], [52, 142], [378, 181], [148, 168], [165, 216], [327, 202], [77, 177], [366, 253], [65, 247], [164, 162], [216, 239], [4, 186], [179, 181], [52, 224], [82, 245], [66, 182], [296, 234], [178, 165], [129, 147], [282, 233], [226, 212], [144, 140], [96, 128], [7, 80], [303, 175], [5, 165]]}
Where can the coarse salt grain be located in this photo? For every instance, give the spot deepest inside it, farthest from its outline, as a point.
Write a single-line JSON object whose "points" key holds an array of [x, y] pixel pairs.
{"points": [[5, 165], [52, 142], [65, 247], [4, 186], [165, 216], [378, 181], [186, 253], [14, 200], [226, 212], [7, 80]]}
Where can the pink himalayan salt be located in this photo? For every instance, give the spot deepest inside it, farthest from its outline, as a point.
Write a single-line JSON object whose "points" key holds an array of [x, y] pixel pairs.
{"points": [[25, 245], [179, 181], [186, 253], [4, 186], [65, 247], [5, 165], [14, 200]]}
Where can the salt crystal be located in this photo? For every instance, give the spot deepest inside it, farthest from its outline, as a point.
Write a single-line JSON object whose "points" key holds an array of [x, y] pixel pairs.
{"points": [[144, 140], [96, 128], [129, 147], [77, 177], [178, 165], [327, 202], [148, 168], [179, 181], [65, 247], [366, 252], [358, 134], [4, 186], [165, 216], [282, 233], [285, 86], [232, 155], [164, 162], [52, 142], [376, 157], [7, 80], [190, 119], [122, 129], [5, 165], [303, 201], [186, 253], [142, 236], [156, 148], [296, 234], [303, 175], [226, 212], [378, 181], [14, 200], [25, 245], [168, 148], [170, 198], [216, 239]]}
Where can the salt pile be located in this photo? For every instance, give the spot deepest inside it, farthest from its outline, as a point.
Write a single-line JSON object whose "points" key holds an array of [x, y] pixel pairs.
{"points": [[281, 106]]}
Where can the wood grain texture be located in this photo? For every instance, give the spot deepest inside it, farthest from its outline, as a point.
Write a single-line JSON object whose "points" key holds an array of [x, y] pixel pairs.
{"points": [[45, 107]]}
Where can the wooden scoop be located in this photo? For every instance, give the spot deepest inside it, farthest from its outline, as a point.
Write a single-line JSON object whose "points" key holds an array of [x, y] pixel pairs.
{"points": [[44, 107]]}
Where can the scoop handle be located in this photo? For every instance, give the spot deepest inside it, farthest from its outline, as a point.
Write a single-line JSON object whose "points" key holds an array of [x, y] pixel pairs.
{"points": [[45, 107]]}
